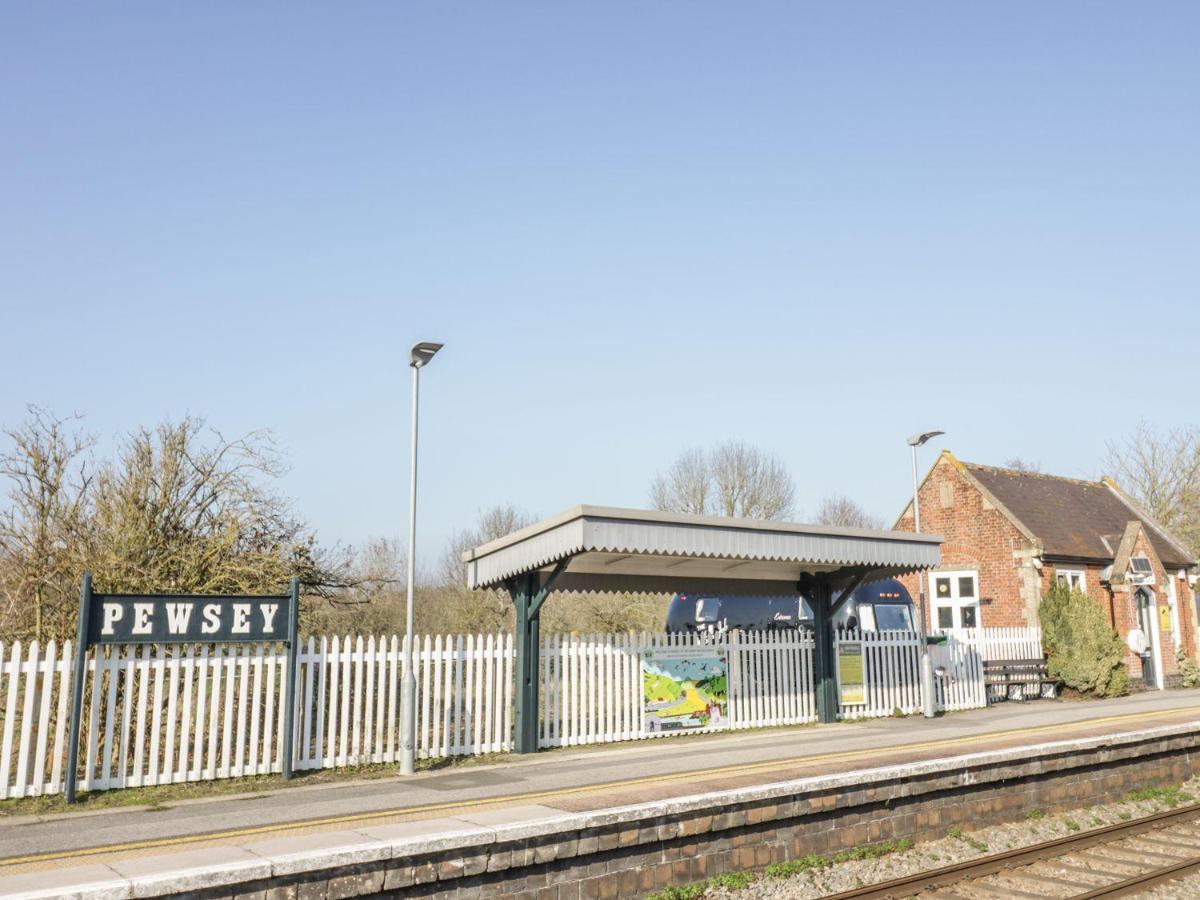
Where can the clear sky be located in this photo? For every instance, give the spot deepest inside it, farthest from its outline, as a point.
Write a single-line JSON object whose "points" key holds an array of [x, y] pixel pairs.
{"points": [[637, 227]]}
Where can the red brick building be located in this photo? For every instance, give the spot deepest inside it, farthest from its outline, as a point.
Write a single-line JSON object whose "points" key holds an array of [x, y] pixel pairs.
{"points": [[1010, 534]]}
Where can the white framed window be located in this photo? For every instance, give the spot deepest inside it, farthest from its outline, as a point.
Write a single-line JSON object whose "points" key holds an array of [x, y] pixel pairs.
{"points": [[1075, 579], [955, 599]]}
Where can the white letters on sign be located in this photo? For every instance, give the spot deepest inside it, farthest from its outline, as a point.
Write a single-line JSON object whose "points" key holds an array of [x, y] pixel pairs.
{"points": [[117, 619], [212, 618], [112, 614], [177, 617], [141, 617]]}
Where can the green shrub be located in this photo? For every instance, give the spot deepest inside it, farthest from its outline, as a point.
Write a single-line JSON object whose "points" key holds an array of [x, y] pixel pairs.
{"points": [[1172, 796], [686, 892], [1084, 652], [1189, 670], [733, 881], [811, 863]]}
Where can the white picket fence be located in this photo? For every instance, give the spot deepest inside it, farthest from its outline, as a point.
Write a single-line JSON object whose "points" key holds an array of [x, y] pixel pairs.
{"points": [[958, 665], [891, 669], [999, 644], [591, 686], [36, 687], [1004, 643], [156, 714]]}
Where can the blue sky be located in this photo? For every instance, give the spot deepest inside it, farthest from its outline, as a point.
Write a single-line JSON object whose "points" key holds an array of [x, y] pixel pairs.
{"points": [[637, 227]]}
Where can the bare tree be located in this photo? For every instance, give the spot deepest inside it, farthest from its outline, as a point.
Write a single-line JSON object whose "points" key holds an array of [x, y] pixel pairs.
{"points": [[451, 606], [185, 510], [373, 600], [840, 510], [1161, 471], [1020, 464], [48, 480], [730, 479], [751, 483], [686, 486]]}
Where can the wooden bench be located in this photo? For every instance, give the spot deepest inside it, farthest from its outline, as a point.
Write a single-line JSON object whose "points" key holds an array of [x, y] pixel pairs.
{"points": [[1020, 674]]}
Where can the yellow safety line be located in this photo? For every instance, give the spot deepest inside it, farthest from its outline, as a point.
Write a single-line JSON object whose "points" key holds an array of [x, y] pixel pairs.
{"points": [[559, 792]]}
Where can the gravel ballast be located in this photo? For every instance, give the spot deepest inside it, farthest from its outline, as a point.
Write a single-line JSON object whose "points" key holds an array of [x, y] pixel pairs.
{"points": [[956, 847]]}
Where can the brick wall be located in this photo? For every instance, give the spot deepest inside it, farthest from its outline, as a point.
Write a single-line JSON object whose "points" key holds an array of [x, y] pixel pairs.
{"points": [[980, 538]]}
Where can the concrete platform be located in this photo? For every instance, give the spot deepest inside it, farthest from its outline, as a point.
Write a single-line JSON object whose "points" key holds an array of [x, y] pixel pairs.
{"points": [[136, 852]]}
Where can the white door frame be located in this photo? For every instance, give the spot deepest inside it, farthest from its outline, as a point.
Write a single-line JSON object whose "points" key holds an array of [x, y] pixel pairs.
{"points": [[1155, 637]]}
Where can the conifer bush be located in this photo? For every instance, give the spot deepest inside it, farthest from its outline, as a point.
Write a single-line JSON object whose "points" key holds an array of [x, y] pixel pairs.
{"points": [[1083, 651], [1189, 671]]}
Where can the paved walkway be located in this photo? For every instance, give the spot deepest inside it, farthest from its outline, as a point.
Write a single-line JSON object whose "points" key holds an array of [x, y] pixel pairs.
{"points": [[572, 780]]}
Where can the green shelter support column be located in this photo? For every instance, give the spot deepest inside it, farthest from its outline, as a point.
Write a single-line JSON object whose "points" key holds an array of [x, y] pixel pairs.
{"points": [[527, 651], [528, 593], [825, 679]]}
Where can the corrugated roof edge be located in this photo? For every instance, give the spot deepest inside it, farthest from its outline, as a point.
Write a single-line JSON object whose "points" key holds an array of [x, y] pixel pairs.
{"points": [[669, 518]]}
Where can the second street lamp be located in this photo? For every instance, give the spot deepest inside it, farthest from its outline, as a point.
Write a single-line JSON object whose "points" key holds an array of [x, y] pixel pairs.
{"points": [[419, 356], [918, 440]]}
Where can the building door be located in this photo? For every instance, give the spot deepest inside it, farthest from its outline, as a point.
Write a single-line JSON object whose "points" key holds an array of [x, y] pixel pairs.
{"points": [[1149, 627], [955, 599]]}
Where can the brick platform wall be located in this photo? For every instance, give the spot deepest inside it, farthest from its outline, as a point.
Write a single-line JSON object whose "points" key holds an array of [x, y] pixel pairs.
{"points": [[630, 852]]}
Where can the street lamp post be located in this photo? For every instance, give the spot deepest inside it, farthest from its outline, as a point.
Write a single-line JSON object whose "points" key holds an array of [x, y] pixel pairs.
{"points": [[419, 356], [927, 703]]}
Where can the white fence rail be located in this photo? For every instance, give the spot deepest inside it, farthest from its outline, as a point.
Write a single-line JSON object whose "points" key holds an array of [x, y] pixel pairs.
{"points": [[156, 714]]}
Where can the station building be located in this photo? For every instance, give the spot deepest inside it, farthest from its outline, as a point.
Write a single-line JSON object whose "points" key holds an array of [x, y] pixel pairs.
{"points": [[1009, 535]]}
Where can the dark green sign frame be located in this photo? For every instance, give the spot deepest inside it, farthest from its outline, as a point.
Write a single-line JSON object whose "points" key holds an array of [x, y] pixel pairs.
{"points": [[183, 619]]}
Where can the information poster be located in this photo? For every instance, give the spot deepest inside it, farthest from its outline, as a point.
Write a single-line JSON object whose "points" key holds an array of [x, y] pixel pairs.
{"points": [[685, 688], [852, 683]]}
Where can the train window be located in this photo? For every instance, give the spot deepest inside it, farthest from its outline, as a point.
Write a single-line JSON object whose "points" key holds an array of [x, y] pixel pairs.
{"points": [[866, 617], [892, 618], [708, 609]]}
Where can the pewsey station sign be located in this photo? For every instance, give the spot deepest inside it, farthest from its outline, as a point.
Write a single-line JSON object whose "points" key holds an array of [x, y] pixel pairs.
{"points": [[182, 619], [175, 618]]}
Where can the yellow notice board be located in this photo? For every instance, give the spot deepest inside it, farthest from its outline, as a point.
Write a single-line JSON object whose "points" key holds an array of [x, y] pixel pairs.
{"points": [[1164, 618], [852, 682]]}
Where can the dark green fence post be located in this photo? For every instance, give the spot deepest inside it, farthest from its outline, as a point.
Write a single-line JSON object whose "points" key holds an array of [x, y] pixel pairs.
{"points": [[293, 654], [81, 639]]}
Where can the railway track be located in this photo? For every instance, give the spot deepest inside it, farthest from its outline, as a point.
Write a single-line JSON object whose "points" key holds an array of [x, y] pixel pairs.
{"points": [[1121, 860]]}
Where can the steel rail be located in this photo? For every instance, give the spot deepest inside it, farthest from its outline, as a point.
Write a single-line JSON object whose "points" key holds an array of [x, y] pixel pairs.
{"points": [[1135, 884], [935, 879]]}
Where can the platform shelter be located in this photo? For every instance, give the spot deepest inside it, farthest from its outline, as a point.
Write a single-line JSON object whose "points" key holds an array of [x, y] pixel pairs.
{"points": [[603, 549]]}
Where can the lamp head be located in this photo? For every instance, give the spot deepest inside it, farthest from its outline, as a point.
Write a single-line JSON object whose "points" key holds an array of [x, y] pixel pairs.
{"points": [[918, 439], [422, 353]]}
